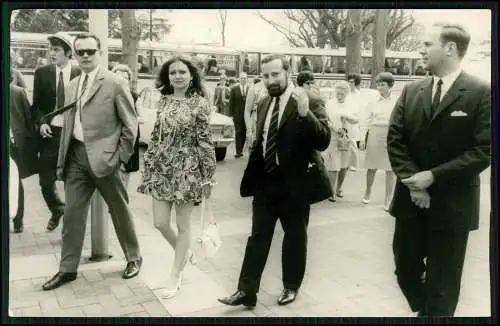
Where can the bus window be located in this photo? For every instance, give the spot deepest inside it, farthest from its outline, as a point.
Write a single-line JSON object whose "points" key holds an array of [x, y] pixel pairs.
{"points": [[366, 68], [251, 64], [26, 58]]}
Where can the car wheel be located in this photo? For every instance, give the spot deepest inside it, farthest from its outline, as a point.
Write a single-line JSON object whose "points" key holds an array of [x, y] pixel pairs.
{"points": [[220, 153]]}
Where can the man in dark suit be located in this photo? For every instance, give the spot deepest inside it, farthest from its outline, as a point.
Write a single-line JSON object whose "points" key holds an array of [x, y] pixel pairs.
{"points": [[438, 144], [22, 145], [291, 126], [48, 95], [98, 136], [237, 98]]}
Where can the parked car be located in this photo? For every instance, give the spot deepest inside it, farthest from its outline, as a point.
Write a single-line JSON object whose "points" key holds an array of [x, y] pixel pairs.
{"points": [[221, 126]]}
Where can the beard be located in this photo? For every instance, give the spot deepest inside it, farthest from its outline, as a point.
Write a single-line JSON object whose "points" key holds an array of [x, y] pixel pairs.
{"points": [[276, 90]]}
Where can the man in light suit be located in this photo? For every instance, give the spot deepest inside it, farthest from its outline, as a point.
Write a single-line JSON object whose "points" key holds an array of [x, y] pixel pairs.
{"points": [[221, 96], [48, 95], [98, 135], [438, 143], [291, 127], [237, 98]]}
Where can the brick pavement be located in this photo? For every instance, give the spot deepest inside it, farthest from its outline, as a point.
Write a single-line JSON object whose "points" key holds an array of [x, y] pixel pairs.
{"points": [[349, 270]]}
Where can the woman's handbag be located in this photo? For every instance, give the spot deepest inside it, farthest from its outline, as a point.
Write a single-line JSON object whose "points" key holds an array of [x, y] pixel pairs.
{"points": [[343, 140], [209, 241]]}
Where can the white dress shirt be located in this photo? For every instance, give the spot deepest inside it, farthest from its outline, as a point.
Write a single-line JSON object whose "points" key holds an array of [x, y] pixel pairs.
{"points": [[77, 129], [283, 102], [448, 80], [58, 120]]}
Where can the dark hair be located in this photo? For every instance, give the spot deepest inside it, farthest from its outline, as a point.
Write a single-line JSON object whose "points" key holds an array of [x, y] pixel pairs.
{"points": [[454, 33], [256, 80], [356, 77], [385, 77], [195, 85], [83, 36], [271, 57], [304, 76], [57, 42]]}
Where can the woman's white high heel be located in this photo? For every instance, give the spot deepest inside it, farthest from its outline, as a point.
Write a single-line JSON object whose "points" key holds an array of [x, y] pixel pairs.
{"points": [[169, 293]]}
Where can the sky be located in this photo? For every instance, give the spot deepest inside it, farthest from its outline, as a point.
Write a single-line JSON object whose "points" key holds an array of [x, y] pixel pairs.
{"points": [[245, 28]]}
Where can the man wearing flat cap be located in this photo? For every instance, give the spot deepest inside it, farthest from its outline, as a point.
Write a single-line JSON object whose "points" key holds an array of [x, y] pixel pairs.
{"points": [[48, 95]]}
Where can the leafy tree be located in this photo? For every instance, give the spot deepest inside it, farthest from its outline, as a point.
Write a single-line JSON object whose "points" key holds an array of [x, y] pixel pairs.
{"points": [[53, 20]]}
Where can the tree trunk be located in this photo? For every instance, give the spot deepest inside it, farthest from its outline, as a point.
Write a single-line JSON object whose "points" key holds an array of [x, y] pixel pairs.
{"points": [[379, 42], [353, 41], [130, 42]]}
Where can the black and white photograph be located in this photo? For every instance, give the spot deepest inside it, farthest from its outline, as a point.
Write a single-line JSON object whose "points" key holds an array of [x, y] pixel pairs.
{"points": [[249, 163]]}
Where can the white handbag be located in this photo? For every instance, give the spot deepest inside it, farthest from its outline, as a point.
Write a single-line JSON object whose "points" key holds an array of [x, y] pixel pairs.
{"points": [[209, 241]]}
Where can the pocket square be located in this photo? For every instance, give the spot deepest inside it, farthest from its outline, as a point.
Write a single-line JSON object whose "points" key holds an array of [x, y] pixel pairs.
{"points": [[458, 113]]}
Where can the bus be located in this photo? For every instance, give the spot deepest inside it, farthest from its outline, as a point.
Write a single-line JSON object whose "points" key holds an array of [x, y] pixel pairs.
{"points": [[328, 65]]}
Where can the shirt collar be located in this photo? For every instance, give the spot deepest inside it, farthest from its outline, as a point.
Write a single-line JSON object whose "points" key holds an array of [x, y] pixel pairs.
{"points": [[286, 94], [65, 70], [92, 73], [449, 79]]}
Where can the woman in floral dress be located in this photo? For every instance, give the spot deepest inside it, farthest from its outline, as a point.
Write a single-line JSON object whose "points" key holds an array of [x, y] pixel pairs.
{"points": [[179, 164]]}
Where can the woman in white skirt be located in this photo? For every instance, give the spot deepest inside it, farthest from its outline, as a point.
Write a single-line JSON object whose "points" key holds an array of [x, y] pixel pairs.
{"points": [[336, 156], [374, 129]]}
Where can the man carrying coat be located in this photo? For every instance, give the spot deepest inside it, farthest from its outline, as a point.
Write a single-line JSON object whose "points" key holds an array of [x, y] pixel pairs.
{"points": [[438, 144], [291, 128]]}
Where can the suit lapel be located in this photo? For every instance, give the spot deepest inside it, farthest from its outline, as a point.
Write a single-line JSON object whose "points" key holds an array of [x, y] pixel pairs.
{"points": [[95, 86], [426, 91], [75, 71], [290, 107], [453, 94], [52, 80], [261, 118]]}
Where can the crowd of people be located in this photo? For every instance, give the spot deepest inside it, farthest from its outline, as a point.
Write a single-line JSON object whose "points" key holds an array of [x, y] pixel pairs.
{"points": [[432, 142]]}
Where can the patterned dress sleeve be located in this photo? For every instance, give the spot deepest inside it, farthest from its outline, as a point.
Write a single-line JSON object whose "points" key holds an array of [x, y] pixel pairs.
{"points": [[206, 149]]}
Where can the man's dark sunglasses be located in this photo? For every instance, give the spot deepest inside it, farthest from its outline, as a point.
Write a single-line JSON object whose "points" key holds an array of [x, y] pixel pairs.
{"points": [[90, 52]]}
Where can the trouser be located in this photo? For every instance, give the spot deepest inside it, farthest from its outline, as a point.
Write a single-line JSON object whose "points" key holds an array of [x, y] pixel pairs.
{"points": [[47, 172], [437, 293], [272, 202], [80, 184], [241, 133]]}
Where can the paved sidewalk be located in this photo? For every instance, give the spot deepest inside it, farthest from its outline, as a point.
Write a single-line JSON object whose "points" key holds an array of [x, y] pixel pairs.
{"points": [[349, 272]]}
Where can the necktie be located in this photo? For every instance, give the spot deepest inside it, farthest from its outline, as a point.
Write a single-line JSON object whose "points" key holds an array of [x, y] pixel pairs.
{"points": [[84, 87], [437, 97], [60, 91], [271, 146]]}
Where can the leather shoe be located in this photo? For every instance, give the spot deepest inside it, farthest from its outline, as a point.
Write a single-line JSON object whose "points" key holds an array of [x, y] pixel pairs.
{"points": [[240, 298], [54, 222], [59, 279], [18, 227], [132, 269], [287, 296]]}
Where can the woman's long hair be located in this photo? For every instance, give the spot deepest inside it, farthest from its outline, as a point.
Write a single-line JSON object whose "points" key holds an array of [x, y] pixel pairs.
{"points": [[195, 87]]}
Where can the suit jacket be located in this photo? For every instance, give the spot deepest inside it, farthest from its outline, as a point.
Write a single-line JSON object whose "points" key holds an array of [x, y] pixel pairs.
{"points": [[237, 103], [45, 90], [109, 123], [25, 149], [454, 144], [220, 93], [298, 141]]}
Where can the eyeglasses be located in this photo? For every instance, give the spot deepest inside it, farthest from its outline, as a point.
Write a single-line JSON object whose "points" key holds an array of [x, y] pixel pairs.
{"points": [[82, 52]]}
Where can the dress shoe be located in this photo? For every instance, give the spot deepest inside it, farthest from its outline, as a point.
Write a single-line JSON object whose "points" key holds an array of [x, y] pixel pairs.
{"points": [[54, 222], [18, 227], [287, 296], [132, 269], [238, 155], [240, 297], [58, 280]]}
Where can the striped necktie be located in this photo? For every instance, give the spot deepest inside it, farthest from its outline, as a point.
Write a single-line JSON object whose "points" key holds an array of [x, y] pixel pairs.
{"points": [[271, 145]]}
